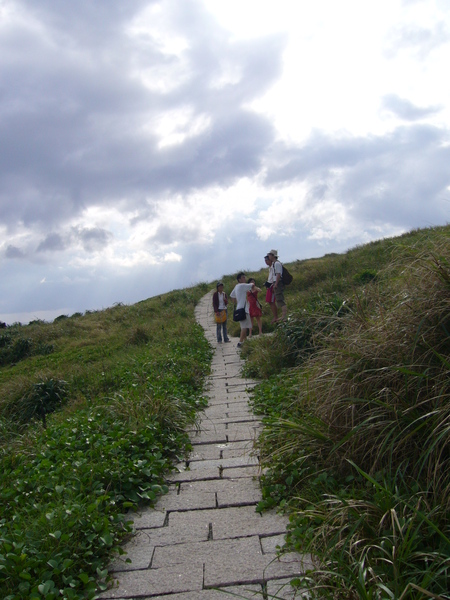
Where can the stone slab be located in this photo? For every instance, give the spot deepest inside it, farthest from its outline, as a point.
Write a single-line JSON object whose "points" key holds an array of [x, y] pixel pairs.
{"points": [[243, 549], [166, 580], [230, 523], [216, 451], [230, 562], [214, 473], [234, 472], [147, 518], [240, 419], [139, 550], [188, 499], [236, 522], [242, 432], [232, 450], [209, 437], [272, 543], [230, 569], [223, 463], [245, 592], [226, 492]]}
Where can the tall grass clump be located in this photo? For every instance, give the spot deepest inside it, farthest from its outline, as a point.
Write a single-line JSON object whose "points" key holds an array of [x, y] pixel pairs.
{"points": [[357, 436]]}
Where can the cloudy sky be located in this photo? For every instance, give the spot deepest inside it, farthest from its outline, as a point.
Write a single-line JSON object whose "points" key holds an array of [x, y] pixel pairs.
{"points": [[148, 145]]}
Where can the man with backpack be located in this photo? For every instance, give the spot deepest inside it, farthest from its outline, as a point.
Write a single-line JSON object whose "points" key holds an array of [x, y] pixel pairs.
{"points": [[278, 286]]}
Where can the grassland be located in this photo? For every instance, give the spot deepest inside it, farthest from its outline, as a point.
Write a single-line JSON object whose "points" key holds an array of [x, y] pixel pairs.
{"points": [[93, 412], [354, 395]]}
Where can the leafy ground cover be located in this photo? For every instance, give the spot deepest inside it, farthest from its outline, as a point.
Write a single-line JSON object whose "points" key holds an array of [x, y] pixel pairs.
{"points": [[355, 400], [87, 430]]}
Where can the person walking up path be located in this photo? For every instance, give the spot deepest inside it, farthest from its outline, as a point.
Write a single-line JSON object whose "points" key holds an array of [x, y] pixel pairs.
{"points": [[205, 537]]}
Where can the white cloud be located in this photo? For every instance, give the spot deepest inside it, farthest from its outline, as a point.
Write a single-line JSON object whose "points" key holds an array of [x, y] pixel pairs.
{"points": [[172, 257]]}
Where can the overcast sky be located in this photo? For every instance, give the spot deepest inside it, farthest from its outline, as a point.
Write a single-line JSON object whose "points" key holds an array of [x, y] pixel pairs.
{"points": [[148, 145]]}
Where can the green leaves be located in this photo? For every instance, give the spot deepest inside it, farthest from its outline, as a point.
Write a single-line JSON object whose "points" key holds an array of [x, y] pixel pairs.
{"points": [[67, 490]]}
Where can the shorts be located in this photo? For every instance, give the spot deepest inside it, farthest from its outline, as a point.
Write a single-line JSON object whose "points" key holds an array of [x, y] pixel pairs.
{"points": [[279, 295], [270, 296], [247, 322]]}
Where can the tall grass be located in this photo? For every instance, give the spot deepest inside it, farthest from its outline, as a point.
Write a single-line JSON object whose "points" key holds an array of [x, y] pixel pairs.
{"points": [[357, 434]]}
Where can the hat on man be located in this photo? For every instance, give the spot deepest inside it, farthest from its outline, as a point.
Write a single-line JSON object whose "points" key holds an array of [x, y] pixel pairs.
{"points": [[219, 283], [274, 252]]}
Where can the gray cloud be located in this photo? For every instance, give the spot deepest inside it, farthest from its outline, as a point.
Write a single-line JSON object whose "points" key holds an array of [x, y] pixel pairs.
{"points": [[13, 252], [92, 239], [406, 110], [73, 119], [175, 233], [53, 243], [390, 178]]}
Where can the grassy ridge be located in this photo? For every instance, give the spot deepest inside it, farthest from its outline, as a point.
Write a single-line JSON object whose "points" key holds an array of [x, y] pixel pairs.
{"points": [[88, 428]]}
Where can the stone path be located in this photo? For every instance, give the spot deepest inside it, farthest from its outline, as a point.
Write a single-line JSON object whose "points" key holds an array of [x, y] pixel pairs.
{"points": [[204, 540]]}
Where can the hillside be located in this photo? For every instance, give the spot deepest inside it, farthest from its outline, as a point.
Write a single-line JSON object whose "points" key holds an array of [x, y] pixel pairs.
{"points": [[354, 396]]}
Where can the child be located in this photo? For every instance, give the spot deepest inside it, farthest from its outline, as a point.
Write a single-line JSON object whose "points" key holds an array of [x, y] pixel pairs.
{"points": [[255, 310]]}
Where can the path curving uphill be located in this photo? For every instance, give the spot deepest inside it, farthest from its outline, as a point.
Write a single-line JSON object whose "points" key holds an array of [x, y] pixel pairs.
{"points": [[204, 538]]}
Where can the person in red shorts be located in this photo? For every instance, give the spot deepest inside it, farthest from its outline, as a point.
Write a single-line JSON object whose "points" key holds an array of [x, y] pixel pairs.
{"points": [[255, 309]]}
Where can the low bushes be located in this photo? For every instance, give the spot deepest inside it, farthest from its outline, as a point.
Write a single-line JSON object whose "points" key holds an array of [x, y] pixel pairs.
{"points": [[87, 434]]}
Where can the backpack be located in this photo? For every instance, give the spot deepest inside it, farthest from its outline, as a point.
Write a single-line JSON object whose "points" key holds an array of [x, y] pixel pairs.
{"points": [[286, 277]]}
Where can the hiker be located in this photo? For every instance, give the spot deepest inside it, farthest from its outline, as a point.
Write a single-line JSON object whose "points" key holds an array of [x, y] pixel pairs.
{"points": [[239, 298], [255, 309], [278, 286], [220, 302], [270, 294]]}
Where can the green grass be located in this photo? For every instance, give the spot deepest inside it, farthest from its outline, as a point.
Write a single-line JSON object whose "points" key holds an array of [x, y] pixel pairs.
{"points": [[354, 396], [356, 406], [88, 431]]}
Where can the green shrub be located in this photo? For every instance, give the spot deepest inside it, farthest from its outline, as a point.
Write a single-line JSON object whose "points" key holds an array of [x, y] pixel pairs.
{"points": [[38, 401]]}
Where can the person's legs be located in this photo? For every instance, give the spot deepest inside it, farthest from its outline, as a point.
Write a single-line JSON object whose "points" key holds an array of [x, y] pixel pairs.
{"points": [[225, 332], [219, 332], [279, 297], [245, 324], [273, 308], [259, 322], [270, 299]]}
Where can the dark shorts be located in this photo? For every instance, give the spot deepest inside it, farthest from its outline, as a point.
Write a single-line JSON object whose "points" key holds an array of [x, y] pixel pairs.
{"points": [[279, 295]]}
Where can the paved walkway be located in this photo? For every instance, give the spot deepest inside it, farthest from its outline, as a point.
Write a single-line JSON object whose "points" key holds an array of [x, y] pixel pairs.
{"points": [[204, 540]]}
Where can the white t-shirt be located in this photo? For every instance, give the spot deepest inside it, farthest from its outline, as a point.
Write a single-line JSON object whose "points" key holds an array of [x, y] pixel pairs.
{"points": [[271, 278], [221, 297], [240, 293], [277, 268]]}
